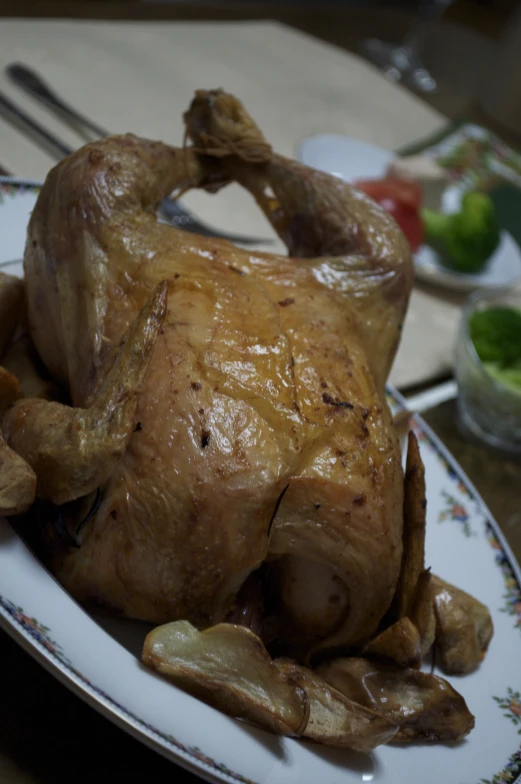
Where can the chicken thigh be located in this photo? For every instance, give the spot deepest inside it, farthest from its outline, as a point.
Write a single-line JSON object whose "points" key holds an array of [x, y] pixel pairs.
{"points": [[227, 420]]}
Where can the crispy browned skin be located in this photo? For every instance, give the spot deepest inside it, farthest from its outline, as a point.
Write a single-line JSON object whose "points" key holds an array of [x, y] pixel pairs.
{"points": [[414, 521], [268, 375], [411, 625]]}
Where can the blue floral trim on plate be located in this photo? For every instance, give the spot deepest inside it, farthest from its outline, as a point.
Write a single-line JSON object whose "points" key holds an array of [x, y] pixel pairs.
{"points": [[511, 704], [11, 186], [41, 634], [456, 512]]}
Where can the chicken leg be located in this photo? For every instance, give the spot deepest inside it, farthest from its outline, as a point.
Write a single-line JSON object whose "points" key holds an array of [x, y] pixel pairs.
{"points": [[353, 246]]}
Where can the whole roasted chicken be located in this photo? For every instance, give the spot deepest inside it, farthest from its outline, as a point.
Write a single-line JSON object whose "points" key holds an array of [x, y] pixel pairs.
{"points": [[228, 407]]}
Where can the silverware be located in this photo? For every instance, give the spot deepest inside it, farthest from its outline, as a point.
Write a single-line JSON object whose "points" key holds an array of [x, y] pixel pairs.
{"points": [[11, 112], [32, 83], [170, 210]]}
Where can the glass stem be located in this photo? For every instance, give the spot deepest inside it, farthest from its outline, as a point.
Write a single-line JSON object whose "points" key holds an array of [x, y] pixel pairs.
{"points": [[429, 14]]}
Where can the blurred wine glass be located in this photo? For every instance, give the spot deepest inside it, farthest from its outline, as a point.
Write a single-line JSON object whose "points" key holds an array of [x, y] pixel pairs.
{"points": [[402, 62]]}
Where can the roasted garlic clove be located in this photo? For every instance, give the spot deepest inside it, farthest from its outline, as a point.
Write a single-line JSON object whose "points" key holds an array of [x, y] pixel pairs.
{"points": [[334, 719], [400, 643], [463, 628]]}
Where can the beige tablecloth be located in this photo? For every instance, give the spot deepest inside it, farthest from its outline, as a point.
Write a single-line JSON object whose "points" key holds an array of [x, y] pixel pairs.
{"points": [[136, 76]]}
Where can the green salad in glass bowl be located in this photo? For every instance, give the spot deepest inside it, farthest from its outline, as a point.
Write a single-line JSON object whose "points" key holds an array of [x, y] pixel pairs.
{"points": [[488, 368]]}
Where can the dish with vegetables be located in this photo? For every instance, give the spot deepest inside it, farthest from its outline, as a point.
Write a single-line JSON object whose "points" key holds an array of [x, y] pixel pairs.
{"points": [[465, 240], [496, 335], [488, 369], [454, 233]]}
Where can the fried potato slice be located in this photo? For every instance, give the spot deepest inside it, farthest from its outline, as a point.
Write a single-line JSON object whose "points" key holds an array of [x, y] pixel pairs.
{"points": [[464, 628], [400, 642], [424, 706], [228, 667], [334, 719], [413, 531], [422, 614]]}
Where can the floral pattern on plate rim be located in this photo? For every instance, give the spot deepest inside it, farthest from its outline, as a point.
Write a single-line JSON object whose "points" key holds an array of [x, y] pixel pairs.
{"points": [[512, 596], [11, 188], [456, 512], [39, 634], [510, 773], [512, 705]]}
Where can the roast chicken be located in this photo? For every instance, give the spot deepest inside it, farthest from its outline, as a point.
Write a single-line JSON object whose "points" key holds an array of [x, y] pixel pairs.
{"points": [[226, 433]]}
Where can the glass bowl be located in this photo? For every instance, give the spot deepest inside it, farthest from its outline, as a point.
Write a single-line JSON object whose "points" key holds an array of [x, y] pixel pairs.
{"points": [[487, 408]]}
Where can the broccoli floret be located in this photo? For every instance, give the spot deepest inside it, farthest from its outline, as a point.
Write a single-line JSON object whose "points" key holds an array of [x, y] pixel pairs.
{"points": [[468, 238], [496, 335]]}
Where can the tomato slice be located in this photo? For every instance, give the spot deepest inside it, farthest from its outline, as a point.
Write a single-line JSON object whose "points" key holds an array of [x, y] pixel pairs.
{"points": [[408, 193], [410, 223], [400, 199]]}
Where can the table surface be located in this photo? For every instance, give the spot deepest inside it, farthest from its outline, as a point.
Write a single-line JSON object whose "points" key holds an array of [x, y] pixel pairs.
{"points": [[49, 735]]}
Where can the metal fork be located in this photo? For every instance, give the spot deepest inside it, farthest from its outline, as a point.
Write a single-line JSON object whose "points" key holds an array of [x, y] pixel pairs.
{"points": [[170, 210]]}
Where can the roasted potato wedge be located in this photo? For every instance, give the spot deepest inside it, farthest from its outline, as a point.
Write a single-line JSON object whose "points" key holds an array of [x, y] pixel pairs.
{"points": [[414, 519], [424, 706], [400, 643], [463, 628], [422, 614], [228, 667], [335, 719]]}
